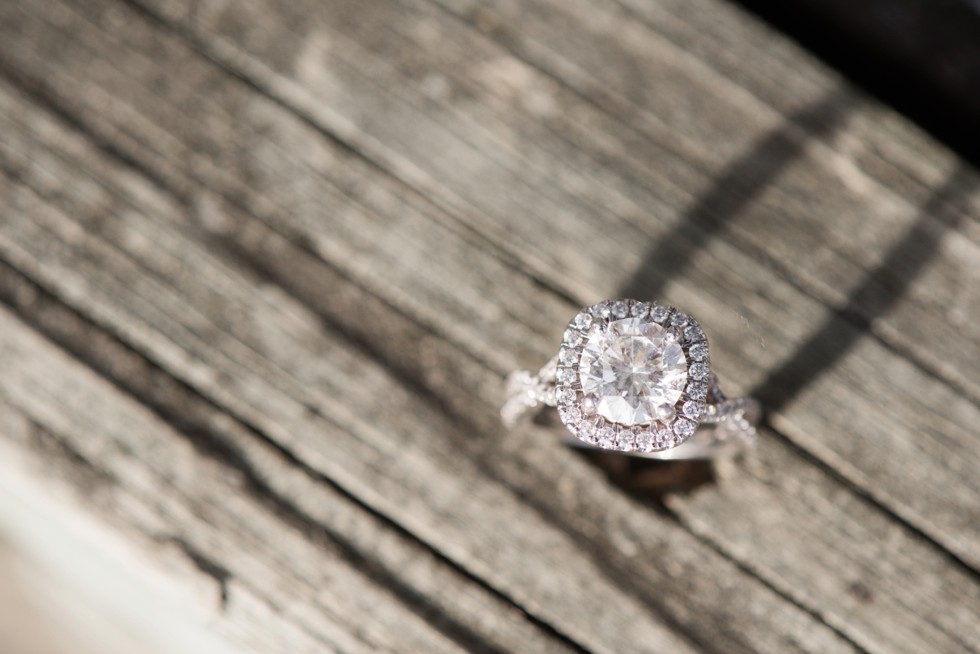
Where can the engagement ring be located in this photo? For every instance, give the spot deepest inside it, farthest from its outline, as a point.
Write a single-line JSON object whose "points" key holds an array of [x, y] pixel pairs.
{"points": [[634, 377]]}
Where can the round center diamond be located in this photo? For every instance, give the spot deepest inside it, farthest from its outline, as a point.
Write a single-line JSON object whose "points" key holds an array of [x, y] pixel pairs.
{"points": [[632, 370]]}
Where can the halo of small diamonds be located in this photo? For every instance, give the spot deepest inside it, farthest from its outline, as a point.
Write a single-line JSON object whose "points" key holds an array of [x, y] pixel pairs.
{"points": [[682, 382]]}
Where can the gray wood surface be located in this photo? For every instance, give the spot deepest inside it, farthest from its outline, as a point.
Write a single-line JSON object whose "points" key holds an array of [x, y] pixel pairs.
{"points": [[264, 266]]}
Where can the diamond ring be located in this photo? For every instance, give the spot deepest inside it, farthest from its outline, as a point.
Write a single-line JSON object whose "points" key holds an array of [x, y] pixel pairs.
{"points": [[634, 377]]}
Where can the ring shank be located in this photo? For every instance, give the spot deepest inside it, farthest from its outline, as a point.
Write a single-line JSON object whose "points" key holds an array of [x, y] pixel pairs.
{"points": [[726, 428]]}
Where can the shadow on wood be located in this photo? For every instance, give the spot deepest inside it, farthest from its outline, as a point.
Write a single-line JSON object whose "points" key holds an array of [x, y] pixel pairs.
{"points": [[731, 192], [873, 298]]}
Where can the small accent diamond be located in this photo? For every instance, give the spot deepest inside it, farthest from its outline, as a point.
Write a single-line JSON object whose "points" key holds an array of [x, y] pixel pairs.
{"points": [[572, 336], [697, 390], [674, 335], [640, 310], [693, 333], [659, 313], [699, 351], [603, 310], [678, 319], [619, 309], [567, 356], [587, 433], [607, 437], [624, 440], [699, 370], [582, 321], [692, 409], [566, 375], [684, 428], [643, 439]]}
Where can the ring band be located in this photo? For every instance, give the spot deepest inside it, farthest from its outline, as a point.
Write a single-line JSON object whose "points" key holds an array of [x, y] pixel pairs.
{"points": [[634, 377]]}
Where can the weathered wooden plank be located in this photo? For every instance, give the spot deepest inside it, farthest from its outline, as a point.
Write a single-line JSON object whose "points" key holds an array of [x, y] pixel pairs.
{"points": [[309, 554], [920, 326], [71, 582], [927, 508], [779, 224], [829, 275], [429, 504], [177, 498], [843, 140], [723, 39], [393, 249], [545, 453]]}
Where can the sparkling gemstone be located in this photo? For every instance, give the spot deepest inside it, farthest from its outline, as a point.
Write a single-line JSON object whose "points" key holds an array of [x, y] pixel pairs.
{"points": [[699, 370], [603, 309], [659, 313], [619, 309], [565, 396], [698, 390], [566, 356], [587, 432], [624, 440], [644, 440], [582, 321], [632, 370], [684, 428], [572, 336], [699, 352], [678, 319], [692, 409]]}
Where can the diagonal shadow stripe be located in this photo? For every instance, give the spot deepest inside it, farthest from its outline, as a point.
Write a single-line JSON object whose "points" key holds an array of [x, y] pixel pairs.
{"points": [[873, 298], [734, 189]]}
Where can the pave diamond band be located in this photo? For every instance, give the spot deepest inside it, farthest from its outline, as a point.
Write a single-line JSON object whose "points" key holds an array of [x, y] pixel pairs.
{"points": [[635, 377]]}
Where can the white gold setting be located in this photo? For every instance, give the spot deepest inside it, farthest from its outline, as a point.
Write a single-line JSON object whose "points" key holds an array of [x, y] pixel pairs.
{"points": [[635, 377]]}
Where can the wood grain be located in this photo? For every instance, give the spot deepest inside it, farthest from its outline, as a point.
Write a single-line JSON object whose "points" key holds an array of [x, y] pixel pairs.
{"points": [[285, 270]]}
